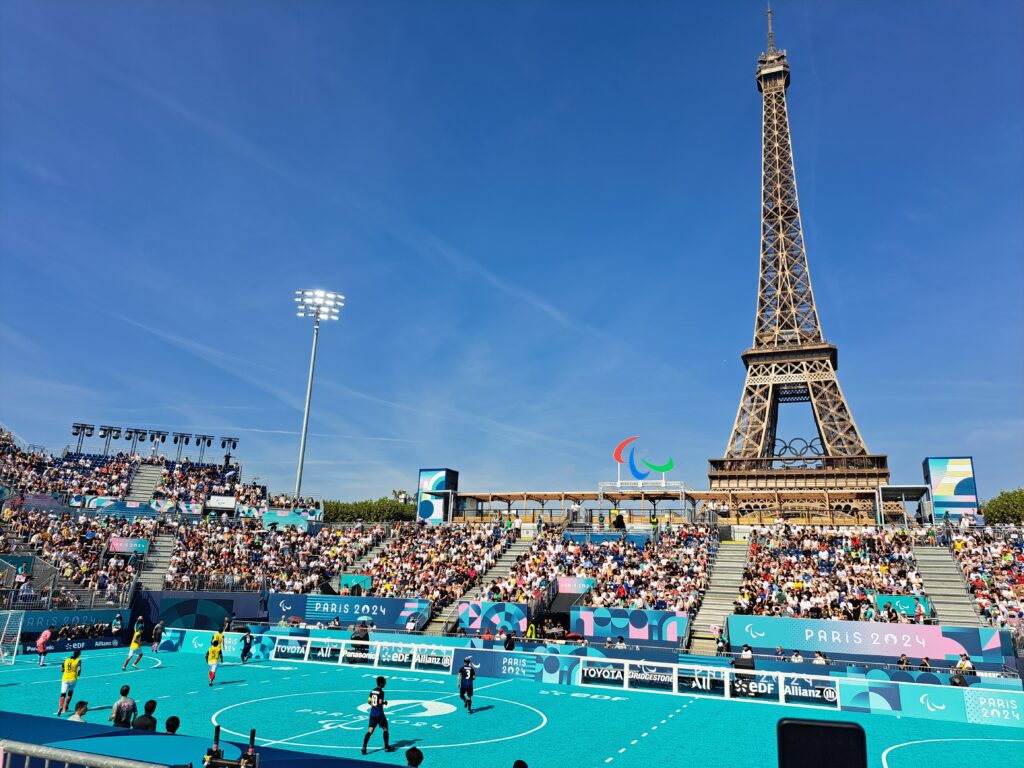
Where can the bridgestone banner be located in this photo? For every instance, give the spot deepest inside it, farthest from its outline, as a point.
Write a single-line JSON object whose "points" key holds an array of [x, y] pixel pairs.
{"points": [[651, 677]]}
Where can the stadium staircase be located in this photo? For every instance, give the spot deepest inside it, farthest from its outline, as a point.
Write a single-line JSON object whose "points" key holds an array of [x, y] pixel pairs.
{"points": [[499, 570], [144, 482], [945, 587], [154, 570], [717, 605]]}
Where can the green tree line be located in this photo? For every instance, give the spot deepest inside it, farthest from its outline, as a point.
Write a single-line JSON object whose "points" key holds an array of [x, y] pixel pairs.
{"points": [[1007, 507], [400, 506]]}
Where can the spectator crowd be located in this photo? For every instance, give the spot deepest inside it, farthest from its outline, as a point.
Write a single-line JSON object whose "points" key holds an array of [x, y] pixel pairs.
{"points": [[244, 556], [669, 572], [74, 546], [437, 563], [992, 560], [829, 573], [74, 473]]}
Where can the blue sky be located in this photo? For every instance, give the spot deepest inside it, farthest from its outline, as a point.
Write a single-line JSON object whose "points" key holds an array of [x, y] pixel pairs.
{"points": [[544, 216]]}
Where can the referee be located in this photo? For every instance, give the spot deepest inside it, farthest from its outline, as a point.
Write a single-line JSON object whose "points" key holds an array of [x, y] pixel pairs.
{"points": [[466, 677]]}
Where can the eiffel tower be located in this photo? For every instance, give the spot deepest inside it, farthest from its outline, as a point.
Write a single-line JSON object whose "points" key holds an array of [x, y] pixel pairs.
{"points": [[790, 360]]}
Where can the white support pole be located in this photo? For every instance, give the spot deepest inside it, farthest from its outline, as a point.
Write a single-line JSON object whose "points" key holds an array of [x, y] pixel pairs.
{"points": [[305, 413]]}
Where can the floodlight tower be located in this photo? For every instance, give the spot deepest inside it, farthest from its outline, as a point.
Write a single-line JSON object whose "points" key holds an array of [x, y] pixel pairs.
{"points": [[319, 305], [81, 431], [181, 439], [109, 433]]}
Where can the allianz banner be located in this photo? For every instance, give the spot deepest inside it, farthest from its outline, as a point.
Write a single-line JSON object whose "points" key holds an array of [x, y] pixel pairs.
{"points": [[384, 612], [988, 648]]}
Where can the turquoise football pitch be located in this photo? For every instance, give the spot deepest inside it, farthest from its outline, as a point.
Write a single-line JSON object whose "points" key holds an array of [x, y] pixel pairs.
{"points": [[321, 709]]}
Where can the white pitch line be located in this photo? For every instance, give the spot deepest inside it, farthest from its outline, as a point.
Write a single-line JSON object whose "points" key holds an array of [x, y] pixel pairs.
{"points": [[390, 712]]}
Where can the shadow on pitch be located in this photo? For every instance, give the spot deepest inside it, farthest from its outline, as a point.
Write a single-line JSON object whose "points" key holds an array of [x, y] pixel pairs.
{"points": [[482, 709], [403, 743]]}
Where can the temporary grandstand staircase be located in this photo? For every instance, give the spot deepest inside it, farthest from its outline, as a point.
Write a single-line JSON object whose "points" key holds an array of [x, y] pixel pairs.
{"points": [[717, 605], [499, 571], [144, 482], [945, 587], [154, 571]]}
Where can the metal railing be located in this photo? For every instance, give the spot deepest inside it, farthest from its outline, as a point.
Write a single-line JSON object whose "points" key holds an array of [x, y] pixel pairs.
{"points": [[52, 757]]}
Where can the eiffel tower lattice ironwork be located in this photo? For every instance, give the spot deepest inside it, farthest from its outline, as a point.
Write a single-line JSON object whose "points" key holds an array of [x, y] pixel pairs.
{"points": [[790, 360]]}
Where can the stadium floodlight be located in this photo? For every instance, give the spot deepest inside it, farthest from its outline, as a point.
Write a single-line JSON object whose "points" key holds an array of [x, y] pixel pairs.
{"points": [[156, 437], [228, 444], [109, 433], [81, 431], [134, 434], [181, 439], [319, 305], [204, 442]]}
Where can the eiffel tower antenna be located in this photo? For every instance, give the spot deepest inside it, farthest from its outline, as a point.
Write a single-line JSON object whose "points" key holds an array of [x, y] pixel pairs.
{"points": [[789, 361]]}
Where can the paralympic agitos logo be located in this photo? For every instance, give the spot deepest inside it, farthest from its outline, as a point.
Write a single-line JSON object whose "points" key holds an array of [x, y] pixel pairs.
{"points": [[666, 467]]}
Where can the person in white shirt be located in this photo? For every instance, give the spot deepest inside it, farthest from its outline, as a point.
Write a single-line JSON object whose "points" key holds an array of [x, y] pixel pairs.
{"points": [[796, 658]]}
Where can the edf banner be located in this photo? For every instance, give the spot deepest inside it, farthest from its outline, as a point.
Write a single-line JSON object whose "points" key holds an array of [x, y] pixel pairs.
{"points": [[988, 648], [384, 612]]}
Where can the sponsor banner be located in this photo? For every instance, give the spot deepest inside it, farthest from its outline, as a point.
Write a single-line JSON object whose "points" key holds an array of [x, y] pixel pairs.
{"points": [[120, 545], [290, 648], [705, 682], [479, 615], [754, 686], [241, 510], [66, 646], [326, 653], [437, 659], [395, 657], [225, 503], [36, 621], [809, 690], [572, 585], [602, 673], [162, 506], [640, 627], [651, 677], [987, 647], [384, 612]]}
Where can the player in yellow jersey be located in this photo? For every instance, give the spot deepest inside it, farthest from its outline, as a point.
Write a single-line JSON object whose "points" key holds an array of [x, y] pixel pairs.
{"points": [[71, 670], [213, 656], [135, 649]]}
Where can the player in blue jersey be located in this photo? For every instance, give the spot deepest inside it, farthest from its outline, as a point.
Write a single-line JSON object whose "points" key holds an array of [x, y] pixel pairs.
{"points": [[377, 703], [466, 677]]}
